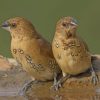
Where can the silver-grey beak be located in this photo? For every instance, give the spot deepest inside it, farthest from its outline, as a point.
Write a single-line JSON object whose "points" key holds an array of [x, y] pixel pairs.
{"points": [[5, 24], [73, 23]]}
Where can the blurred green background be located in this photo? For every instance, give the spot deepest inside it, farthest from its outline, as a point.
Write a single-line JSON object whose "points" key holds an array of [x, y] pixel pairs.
{"points": [[45, 13]]}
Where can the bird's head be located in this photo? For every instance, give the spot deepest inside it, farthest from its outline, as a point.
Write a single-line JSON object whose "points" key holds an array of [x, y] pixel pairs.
{"points": [[18, 26], [67, 26]]}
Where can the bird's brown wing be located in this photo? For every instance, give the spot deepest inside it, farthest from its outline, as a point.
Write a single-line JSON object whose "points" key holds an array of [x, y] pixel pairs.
{"points": [[86, 46], [45, 47], [46, 50]]}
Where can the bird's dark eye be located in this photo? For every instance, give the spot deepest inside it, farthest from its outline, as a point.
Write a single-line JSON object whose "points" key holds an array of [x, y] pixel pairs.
{"points": [[13, 25], [64, 24]]}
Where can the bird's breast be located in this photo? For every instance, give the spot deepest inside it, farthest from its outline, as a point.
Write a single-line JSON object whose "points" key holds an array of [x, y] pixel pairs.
{"points": [[71, 56]]}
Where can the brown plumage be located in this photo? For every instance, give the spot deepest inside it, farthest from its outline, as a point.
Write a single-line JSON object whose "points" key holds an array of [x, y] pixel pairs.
{"points": [[31, 49], [70, 51]]}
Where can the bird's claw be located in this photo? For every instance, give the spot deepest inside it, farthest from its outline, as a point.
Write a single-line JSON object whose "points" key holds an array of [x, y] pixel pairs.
{"points": [[95, 79], [56, 86], [26, 86]]}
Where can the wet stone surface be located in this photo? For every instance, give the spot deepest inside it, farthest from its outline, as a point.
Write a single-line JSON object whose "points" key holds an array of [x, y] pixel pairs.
{"points": [[12, 78]]}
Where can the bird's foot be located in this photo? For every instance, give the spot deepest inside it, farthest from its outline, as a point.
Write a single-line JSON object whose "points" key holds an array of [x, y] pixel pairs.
{"points": [[56, 86], [95, 79], [26, 87]]}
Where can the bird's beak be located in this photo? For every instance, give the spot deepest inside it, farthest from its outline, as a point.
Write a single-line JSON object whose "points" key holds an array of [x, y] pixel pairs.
{"points": [[6, 26], [69, 28], [73, 23]]}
